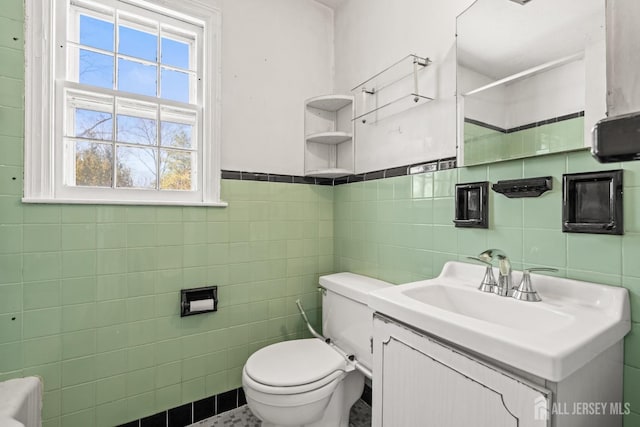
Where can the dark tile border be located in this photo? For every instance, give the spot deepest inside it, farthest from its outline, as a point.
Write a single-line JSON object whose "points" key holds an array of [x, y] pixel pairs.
{"points": [[484, 125], [434, 165], [204, 408], [190, 413], [193, 412], [180, 416], [155, 420], [528, 125]]}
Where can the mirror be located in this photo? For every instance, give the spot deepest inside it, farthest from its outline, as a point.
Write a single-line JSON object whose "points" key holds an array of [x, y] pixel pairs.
{"points": [[531, 78]]}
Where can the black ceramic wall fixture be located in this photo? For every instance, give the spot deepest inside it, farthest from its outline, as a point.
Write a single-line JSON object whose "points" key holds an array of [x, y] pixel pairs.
{"points": [[525, 187], [472, 209], [615, 139], [207, 295], [592, 202]]}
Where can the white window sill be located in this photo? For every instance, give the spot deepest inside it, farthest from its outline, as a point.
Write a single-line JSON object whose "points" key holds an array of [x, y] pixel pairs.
{"points": [[123, 202]]}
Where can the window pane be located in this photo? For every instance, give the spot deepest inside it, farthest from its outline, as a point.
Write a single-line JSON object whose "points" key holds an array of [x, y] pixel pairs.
{"points": [[175, 134], [138, 43], [93, 124], [175, 170], [137, 78], [175, 53], [96, 33], [136, 167], [94, 164], [136, 130], [96, 69], [175, 85]]}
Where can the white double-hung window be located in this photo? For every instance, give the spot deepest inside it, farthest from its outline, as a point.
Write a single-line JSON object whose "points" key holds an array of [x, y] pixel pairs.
{"points": [[122, 102]]}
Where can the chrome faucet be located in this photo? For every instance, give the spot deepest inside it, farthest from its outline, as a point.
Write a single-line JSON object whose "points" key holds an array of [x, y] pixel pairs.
{"points": [[504, 287]]}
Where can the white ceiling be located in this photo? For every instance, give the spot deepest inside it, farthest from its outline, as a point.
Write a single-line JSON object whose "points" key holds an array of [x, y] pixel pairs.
{"points": [[498, 38], [334, 4]]}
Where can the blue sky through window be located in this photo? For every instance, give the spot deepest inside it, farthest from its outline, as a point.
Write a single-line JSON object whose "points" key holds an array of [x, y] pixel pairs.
{"points": [[96, 33], [136, 130], [137, 77], [138, 44], [97, 69], [176, 134], [175, 85], [175, 53], [136, 145], [92, 124]]}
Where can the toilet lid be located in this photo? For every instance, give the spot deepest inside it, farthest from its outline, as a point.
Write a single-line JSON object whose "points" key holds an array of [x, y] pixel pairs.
{"points": [[293, 363]]}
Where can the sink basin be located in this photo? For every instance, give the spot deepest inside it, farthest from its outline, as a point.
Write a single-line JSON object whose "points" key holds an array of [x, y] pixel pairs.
{"points": [[467, 301], [574, 322]]}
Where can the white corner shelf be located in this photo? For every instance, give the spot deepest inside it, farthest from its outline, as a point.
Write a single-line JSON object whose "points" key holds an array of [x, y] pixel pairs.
{"points": [[329, 173], [330, 102], [330, 138], [329, 145]]}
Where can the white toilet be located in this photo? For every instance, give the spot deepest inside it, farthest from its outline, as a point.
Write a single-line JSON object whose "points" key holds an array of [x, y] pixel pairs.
{"points": [[308, 382]]}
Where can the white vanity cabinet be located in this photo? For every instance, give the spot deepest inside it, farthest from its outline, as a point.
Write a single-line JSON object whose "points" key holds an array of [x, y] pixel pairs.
{"points": [[419, 381], [422, 381]]}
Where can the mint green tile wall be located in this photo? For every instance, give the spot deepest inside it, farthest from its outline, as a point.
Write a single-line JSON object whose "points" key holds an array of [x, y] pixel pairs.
{"points": [[400, 229], [89, 294]]}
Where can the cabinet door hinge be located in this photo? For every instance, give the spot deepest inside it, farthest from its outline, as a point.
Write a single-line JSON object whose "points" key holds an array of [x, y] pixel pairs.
{"points": [[371, 344]]}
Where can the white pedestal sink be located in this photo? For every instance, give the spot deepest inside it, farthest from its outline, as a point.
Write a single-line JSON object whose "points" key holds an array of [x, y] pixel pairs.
{"points": [[574, 322], [442, 343]]}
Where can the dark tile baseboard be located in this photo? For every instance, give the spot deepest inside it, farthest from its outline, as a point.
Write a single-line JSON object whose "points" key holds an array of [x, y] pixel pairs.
{"points": [[190, 413]]}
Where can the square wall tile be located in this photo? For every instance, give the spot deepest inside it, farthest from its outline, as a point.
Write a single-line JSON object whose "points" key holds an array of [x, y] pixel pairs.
{"points": [[40, 266], [78, 371], [41, 351], [78, 398], [11, 300], [39, 323], [545, 248], [593, 252]]}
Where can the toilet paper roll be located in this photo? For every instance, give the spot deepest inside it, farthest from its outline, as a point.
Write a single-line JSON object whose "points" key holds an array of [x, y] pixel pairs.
{"points": [[201, 305]]}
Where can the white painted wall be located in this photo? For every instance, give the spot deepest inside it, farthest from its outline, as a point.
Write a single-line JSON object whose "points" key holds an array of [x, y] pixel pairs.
{"points": [[275, 54], [372, 34]]}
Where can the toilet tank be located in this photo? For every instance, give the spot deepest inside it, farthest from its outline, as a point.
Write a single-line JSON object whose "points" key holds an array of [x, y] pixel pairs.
{"points": [[346, 317]]}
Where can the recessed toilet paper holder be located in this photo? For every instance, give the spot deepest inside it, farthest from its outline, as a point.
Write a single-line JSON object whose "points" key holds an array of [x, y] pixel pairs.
{"points": [[198, 300]]}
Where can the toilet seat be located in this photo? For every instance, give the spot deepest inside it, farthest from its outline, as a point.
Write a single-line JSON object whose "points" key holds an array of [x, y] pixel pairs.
{"points": [[293, 367]]}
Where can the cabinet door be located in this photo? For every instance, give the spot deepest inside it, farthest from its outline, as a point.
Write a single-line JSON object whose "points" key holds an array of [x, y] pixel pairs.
{"points": [[421, 382]]}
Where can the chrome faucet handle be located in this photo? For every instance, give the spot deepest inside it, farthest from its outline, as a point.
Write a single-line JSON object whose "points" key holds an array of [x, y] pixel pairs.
{"points": [[488, 281], [525, 291], [504, 285]]}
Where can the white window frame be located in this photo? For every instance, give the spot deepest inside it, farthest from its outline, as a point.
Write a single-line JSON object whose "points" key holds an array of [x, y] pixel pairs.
{"points": [[44, 175]]}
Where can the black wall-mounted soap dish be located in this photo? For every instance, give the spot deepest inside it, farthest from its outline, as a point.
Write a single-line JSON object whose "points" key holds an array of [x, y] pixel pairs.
{"points": [[592, 202], [472, 209], [525, 187]]}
